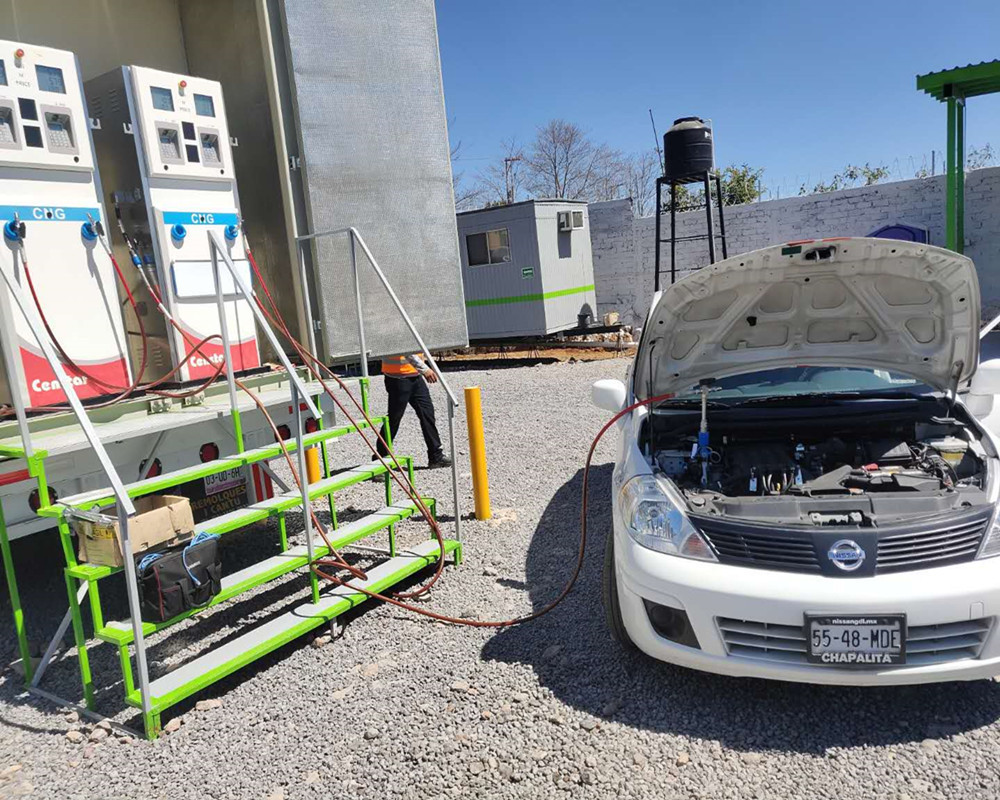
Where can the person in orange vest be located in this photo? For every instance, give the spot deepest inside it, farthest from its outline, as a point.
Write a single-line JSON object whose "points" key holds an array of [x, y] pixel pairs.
{"points": [[406, 379]]}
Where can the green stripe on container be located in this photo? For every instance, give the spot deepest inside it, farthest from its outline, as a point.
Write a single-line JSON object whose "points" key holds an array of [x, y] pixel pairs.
{"points": [[527, 298]]}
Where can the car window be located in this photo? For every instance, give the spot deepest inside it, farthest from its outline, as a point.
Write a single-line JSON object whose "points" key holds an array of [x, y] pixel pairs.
{"points": [[789, 381]]}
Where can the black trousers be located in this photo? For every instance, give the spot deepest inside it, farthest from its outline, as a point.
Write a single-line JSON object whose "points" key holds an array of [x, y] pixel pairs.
{"points": [[413, 392]]}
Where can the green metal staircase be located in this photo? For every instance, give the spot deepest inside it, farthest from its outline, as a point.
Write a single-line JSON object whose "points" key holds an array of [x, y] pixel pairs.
{"points": [[303, 614], [301, 618]]}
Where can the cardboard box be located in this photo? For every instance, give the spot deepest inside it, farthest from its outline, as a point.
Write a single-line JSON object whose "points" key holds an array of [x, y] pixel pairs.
{"points": [[159, 520]]}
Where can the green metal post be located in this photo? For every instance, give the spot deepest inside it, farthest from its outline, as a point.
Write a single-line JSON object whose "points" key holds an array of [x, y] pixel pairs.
{"points": [[81, 644], [283, 531], [238, 430], [364, 394], [97, 616], [951, 181], [15, 600], [960, 175], [126, 662]]}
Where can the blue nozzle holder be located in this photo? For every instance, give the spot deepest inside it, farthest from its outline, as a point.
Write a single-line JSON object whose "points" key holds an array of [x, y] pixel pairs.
{"points": [[231, 232], [10, 231], [87, 232], [178, 232]]}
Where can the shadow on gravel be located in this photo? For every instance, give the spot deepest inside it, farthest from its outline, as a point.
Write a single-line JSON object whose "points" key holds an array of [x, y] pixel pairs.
{"points": [[592, 674]]}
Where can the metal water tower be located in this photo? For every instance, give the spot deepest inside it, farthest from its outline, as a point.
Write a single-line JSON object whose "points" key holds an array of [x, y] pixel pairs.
{"points": [[688, 157]]}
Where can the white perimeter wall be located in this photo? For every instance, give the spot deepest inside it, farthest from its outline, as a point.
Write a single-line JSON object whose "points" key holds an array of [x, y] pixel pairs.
{"points": [[623, 245]]}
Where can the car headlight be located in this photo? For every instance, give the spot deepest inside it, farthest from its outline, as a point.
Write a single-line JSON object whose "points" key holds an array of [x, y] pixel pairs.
{"points": [[655, 520], [991, 544]]}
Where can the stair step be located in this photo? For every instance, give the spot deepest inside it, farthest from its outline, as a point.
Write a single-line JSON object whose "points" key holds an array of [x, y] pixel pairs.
{"points": [[216, 664], [119, 632], [168, 480]]}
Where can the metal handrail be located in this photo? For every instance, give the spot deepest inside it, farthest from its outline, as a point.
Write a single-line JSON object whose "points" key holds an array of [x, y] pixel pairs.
{"points": [[356, 238], [298, 389], [125, 506]]}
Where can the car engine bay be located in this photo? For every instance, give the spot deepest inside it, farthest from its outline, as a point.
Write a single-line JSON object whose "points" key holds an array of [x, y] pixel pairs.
{"points": [[806, 467]]}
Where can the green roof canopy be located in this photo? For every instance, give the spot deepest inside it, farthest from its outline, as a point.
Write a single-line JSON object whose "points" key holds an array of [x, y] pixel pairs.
{"points": [[967, 81]]}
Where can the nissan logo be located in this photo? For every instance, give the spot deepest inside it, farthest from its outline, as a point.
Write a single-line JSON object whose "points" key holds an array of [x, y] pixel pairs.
{"points": [[846, 554]]}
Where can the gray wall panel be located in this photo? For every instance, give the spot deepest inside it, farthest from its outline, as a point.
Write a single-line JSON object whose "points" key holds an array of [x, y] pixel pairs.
{"points": [[374, 145]]}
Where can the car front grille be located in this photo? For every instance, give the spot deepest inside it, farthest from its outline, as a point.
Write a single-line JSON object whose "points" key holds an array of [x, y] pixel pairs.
{"points": [[787, 644], [930, 548], [920, 545], [760, 548]]}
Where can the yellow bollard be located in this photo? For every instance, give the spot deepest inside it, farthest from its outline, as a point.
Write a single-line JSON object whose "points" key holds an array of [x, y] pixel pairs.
{"points": [[312, 464], [477, 451]]}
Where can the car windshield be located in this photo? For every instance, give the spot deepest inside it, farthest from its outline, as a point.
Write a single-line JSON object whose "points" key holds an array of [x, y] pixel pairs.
{"points": [[804, 380]]}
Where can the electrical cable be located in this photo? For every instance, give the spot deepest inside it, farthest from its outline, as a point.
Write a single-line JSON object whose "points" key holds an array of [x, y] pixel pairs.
{"points": [[394, 600]]}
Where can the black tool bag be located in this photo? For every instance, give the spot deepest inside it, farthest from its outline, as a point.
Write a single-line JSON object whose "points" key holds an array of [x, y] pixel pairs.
{"points": [[179, 578]]}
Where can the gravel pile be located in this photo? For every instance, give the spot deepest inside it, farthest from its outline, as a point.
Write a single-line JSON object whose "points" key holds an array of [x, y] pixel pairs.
{"points": [[394, 706]]}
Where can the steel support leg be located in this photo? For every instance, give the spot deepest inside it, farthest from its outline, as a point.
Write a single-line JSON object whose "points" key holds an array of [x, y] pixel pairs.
{"points": [[81, 645], [15, 599]]}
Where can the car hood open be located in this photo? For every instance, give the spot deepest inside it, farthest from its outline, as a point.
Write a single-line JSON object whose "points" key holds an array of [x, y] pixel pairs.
{"points": [[878, 303]]}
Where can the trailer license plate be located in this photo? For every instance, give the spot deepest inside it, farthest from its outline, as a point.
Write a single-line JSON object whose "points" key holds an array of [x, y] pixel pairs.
{"points": [[857, 640]]}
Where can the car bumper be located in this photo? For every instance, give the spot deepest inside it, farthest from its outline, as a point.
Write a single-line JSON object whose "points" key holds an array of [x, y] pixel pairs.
{"points": [[707, 592]]}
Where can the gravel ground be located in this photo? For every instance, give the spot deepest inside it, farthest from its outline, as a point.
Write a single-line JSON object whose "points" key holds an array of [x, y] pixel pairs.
{"points": [[399, 707]]}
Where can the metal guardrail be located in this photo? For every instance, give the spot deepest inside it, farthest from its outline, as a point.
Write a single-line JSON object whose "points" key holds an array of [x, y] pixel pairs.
{"points": [[125, 507], [355, 240]]}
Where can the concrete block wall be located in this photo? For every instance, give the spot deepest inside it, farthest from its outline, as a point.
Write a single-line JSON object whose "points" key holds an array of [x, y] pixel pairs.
{"points": [[623, 245]]}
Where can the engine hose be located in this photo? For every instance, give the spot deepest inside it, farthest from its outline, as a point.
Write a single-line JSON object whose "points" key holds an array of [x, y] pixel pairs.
{"points": [[310, 360], [474, 623], [65, 357], [196, 348]]}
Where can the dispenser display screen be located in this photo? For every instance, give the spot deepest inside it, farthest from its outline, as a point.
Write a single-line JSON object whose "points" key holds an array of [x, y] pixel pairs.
{"points": [[50, 79], [163, 99], [204, 105], [3, 73]]}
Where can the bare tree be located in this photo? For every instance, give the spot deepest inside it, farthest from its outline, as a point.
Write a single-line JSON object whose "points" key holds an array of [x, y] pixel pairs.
{"points": [[563, 162], [501, 183], [641, 171], [466, 196]]}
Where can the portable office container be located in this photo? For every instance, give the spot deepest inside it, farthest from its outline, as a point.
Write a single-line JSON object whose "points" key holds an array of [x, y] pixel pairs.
{"points": [[527, 268]]}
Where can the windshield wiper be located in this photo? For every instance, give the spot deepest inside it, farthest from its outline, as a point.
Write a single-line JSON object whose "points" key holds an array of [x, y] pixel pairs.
{"points": [[691, 402], [814, 397]]}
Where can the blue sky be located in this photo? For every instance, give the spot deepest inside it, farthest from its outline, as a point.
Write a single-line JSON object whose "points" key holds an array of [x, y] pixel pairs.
{"points": [[799, 88]]}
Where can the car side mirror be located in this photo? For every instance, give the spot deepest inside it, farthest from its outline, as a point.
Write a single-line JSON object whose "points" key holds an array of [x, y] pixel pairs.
{"points": [[987, 378], [609, 395]]}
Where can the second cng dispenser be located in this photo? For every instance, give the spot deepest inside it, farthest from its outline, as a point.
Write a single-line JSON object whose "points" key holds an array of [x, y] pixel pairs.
{"points": [[165, 158]]}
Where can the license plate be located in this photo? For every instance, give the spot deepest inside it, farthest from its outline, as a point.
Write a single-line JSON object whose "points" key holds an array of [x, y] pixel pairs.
{"points": [[222, 481], [857, 640]]}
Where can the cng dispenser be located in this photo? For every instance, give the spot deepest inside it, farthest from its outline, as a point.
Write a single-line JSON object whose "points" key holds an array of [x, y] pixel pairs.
{"points": [[50, 213], [164, 153]]}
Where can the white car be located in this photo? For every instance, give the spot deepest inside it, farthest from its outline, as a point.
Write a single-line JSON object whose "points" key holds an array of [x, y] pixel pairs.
{"points": [[814, 499]]}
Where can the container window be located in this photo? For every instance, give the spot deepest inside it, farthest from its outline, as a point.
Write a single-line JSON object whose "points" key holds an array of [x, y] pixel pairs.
{"points": [[491, 247], [3, 73]]}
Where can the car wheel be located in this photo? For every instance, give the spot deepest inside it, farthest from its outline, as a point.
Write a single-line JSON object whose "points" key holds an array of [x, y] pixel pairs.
{"points": [[609, 597]]}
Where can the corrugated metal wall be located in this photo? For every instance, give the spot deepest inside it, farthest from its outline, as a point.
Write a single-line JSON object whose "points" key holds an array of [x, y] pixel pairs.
{"points": [[373, 140]]}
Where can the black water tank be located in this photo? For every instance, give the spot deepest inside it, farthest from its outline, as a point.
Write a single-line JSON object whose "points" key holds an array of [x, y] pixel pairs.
{"points": [[687, 149]]}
